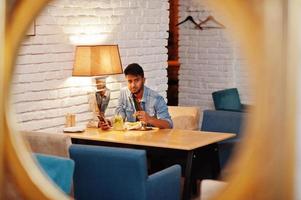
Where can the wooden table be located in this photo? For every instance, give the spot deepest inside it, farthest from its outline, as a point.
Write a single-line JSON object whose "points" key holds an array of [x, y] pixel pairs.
{"points": [[184, 142]]}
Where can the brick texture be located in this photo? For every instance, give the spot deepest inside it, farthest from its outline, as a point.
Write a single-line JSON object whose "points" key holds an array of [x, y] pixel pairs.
{"points": [[43, 88], [210, 59]]}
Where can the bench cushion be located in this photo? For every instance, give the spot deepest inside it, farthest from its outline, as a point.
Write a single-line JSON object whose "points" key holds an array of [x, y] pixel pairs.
{"points": [[185, 117]]}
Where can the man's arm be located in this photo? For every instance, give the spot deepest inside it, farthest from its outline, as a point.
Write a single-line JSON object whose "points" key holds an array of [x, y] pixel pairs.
{"points": [[144, 117], [163, 119], [120, 106], [162, 111]]}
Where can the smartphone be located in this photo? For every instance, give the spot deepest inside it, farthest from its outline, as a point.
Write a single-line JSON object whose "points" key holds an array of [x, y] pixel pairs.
{"points": [[101, 118]]}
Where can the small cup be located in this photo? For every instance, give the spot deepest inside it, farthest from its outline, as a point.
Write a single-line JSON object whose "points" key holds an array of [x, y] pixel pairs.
{"points": [[73, 120], [70, 120]]}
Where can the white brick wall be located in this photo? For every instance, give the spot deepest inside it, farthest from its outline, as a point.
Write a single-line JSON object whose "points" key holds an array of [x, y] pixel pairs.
{"points": [[43, 89], [210, 59]]}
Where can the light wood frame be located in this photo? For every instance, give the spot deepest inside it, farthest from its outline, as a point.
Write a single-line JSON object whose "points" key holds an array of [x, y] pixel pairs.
{"points": [[30, 181], [32, 29], [266, 159]]}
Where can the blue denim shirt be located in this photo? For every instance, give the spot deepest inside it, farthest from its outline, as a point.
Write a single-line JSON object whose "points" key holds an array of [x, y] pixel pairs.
{"points": [[152, 103]]}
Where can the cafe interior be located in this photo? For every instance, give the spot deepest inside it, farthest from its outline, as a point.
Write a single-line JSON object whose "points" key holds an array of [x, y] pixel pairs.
{"points": [[227, 70]]}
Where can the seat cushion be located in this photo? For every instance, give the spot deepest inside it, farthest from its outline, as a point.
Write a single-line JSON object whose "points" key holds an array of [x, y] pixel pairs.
{"points": [[227, 100], [210, 188]]}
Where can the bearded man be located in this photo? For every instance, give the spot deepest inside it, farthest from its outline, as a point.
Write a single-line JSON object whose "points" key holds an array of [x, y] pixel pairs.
{"points": [[139, 103]]}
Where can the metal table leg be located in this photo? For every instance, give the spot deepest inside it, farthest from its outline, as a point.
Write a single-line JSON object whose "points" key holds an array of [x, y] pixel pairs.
{"points": [[216, 168], [187, 183]]}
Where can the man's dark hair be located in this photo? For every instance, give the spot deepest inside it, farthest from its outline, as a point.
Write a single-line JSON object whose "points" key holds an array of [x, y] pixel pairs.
{"points": [[134, 69]]}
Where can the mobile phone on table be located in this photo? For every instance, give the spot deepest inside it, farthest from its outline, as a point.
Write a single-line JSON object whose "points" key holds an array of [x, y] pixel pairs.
{"points": [[101, 118]]}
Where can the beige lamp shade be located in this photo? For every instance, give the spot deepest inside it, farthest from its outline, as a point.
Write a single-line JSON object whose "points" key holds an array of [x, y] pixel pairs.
{"points": [[97, 60]]}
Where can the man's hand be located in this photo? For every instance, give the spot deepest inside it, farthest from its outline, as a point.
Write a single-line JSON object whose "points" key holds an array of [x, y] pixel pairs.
{"points": [[143, 116], [103, 123]]}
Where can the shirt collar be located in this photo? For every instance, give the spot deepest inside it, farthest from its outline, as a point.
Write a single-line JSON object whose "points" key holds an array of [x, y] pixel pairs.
{"points": [[145, 93]]}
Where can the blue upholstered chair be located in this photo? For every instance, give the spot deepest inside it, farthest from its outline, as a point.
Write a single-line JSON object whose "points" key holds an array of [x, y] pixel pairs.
{"points": [[59, 170], [227, 99], [228, 117], [227, 122], [109, 173]]}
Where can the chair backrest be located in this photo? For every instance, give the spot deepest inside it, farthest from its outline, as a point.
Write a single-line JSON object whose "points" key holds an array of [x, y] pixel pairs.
{"points": [[227, 99], [59, 170], [228, 122], [223, 121], [109, 173], [48, 143], [185, 117]]}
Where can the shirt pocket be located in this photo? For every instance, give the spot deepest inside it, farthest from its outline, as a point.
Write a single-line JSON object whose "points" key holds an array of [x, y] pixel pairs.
{"points": [[129, 114]]}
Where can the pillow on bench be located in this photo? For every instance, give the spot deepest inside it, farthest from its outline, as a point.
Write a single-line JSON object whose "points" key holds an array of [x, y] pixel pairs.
{"points": [[185, 117], [56, 144]]}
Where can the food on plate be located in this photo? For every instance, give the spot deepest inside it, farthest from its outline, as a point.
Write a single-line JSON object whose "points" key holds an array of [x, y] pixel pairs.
{"points": [[132, 125]]}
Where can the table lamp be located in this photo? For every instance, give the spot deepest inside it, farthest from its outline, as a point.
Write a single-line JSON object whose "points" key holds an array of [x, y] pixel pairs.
{"points": [[98, 61]]}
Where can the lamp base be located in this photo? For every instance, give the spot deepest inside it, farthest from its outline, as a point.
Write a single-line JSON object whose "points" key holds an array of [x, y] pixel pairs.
{"points": [[102, 95]]}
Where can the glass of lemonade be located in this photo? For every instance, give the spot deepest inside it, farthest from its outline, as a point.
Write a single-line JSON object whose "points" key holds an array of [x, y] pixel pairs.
{"points": [[118, 123]]}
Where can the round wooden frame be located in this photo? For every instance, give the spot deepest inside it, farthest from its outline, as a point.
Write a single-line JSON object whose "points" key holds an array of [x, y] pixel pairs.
{"points": [[264, 164]]}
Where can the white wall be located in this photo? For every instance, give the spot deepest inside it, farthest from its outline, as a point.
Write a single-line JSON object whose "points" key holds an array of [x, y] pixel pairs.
{"points": [[43, 88], [210, 59]]}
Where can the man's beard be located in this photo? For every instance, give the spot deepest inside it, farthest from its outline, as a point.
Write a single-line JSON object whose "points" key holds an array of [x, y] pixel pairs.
{"points": [[139, 90]]}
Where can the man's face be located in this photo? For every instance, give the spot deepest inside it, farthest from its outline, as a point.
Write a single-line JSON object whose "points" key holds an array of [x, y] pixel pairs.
{"points": [[135, 83]]}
